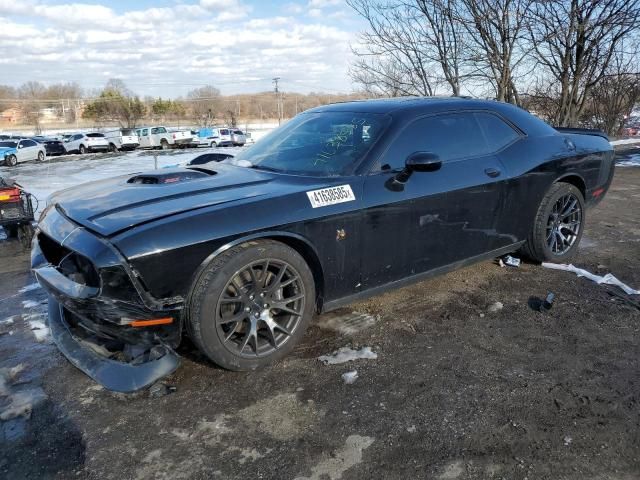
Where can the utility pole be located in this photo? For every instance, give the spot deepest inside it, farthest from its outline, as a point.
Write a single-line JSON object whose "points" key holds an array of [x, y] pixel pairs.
{"points": [[277, 91]]}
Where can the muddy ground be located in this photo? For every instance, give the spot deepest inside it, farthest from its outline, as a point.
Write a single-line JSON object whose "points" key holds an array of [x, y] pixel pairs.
{"points": [[457, 391]]}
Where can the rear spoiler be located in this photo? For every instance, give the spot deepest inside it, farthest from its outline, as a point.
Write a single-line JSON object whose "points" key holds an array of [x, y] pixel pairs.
{"points": [[583, 131]]}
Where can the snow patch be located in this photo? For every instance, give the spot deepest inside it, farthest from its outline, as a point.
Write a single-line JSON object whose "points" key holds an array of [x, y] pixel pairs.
{"points": [[346, 354], [28, 288], [629, 161], [335, 465], [22, 403], [608, 279], [350, 377], [30, 304], [7, 321], [39, 330]]}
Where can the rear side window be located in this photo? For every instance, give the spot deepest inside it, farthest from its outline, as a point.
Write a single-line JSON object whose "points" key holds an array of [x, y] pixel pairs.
{"points": [[224, 132], [451, 136], [158, 130], [497, 133]]}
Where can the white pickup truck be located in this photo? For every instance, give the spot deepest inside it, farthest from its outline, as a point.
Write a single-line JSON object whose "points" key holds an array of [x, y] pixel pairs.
{"points": [[161, 137]]}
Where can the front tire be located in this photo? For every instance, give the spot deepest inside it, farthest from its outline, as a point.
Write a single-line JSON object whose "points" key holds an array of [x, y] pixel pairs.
{"points": [[164, 145], [83, 149], [251, 305], [558, 225], [11, 161], [40, 157]]}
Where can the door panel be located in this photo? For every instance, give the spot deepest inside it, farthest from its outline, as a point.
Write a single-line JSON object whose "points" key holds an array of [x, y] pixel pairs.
{"points": [[440, 217]]}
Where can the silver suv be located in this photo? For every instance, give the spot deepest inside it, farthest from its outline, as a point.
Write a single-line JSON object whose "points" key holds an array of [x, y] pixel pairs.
{"points": [[238, 138]]}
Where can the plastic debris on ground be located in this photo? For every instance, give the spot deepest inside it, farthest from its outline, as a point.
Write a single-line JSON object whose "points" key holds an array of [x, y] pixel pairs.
{"points": [[607, 279], [160, 390], [350, 377], [346, 354], [547, 303], [495, 307], [512, 261]]}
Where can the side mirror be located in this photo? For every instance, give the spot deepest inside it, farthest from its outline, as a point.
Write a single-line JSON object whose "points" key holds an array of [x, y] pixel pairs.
{"points": [[423, 162]]}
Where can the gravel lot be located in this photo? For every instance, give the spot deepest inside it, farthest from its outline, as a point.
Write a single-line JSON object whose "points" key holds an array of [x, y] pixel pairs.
{"points": [[459, 390]]}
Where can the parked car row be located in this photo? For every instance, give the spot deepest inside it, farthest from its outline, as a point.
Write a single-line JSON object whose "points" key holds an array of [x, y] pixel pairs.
{"points": [[18, 148]]}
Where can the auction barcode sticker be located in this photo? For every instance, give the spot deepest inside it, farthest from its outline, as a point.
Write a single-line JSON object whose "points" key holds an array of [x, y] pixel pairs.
{"points": [[331, 196]]}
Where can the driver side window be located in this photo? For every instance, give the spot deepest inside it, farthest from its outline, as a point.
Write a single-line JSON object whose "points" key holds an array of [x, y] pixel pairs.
{"points": [[451, 136]]}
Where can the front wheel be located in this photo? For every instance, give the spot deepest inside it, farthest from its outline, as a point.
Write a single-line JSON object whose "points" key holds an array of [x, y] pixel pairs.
{"points": [[558, 225], [251, 305], [164, 145], [83, 149], [11, 161]]}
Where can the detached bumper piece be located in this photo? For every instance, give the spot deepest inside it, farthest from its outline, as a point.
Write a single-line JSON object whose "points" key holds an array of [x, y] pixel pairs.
{"points": [[96, 361]]}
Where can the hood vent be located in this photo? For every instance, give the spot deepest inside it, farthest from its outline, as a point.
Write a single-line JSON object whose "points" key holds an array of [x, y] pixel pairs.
{"points": [[168, 177]]}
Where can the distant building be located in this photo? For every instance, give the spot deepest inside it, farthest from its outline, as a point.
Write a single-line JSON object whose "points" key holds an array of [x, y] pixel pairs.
{"points": [[11, 115]]}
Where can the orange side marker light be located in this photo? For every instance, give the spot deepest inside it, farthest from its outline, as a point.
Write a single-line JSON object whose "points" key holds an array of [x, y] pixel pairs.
{"points": [[152, 322]]}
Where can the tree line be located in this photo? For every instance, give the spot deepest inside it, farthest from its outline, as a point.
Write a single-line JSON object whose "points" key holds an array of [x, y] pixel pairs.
{"points": [[117, 104], [573, 62]]}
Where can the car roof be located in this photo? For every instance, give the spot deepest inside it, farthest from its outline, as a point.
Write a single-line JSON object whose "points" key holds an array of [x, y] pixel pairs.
{"points": [[399, 104]]}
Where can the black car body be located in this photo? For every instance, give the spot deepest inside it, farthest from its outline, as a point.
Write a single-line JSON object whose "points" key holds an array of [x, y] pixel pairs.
{"points": [[396, 191], [51, 145]]}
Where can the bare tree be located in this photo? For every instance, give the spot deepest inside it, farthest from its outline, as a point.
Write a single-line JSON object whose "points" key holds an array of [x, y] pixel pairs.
{"points": [[30, 94], [615, 96], [495, 47], [409, 48], [575, 42], [204, 103]]}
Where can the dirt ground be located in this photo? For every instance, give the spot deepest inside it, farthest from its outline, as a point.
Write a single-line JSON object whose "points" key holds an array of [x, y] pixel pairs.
{"points": [[458, 391]]}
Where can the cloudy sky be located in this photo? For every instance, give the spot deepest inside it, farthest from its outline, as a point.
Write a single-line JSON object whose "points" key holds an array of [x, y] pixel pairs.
{"points": [[166, 47]]}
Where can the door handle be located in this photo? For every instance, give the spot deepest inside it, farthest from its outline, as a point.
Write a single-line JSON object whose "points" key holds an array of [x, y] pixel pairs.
{"points": [[492, 172]]}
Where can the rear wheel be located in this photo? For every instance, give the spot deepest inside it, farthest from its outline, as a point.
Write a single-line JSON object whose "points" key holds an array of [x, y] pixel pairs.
{"points": [[251, 305], [11, 161], [213, 145], [558, 225], [40, 157], [113, 148]]}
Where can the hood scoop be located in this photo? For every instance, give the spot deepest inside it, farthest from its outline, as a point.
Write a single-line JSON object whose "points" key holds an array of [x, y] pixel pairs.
{"points": [[169, 177]]}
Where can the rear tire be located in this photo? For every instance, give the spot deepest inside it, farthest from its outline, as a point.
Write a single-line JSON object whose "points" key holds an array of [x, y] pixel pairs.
{"points": [[558, 225], [113, 148], [11, 161], [251, 305], [214, 145], [40, 157]]}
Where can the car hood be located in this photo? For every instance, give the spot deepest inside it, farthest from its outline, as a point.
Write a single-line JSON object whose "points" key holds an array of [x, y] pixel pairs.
{"points": [[111, 206], [5, 150]]}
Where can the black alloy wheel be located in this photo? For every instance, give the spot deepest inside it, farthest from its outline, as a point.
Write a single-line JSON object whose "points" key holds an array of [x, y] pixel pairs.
{"points": [[563, 225], [260, 307], [251, 305]]}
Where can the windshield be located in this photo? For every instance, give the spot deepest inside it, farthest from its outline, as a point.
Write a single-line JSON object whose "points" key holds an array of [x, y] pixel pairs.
{"points": [[322, 144], [9, 144]]}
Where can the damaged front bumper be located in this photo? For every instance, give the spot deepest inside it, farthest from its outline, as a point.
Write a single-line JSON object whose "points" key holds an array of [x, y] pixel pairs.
{"points": [[119, 376], [101, 317]]}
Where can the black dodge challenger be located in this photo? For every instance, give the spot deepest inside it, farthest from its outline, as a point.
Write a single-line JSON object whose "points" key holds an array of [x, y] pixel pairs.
{"points": [[342, 202]]}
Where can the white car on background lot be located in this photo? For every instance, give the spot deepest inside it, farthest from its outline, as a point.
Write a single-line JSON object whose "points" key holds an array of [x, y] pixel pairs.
{"points": [[161, 137], [86, 142], [23, 150], [122, 139]]}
